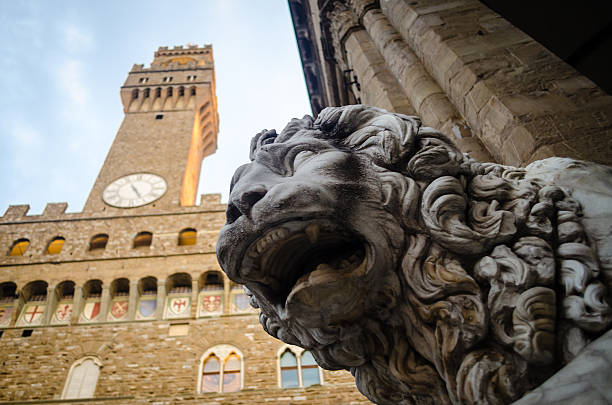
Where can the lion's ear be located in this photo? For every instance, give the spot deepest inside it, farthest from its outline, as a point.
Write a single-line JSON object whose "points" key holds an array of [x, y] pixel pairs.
{"points": [[262, 138], [388, 138]]}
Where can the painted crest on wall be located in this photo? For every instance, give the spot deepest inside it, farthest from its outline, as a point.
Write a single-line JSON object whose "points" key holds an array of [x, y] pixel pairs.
{"points": [[146, 308], [210, 304], [32, 315], [63, 312], [91, 310], [5, 315], [118, 310], [178, 307]]}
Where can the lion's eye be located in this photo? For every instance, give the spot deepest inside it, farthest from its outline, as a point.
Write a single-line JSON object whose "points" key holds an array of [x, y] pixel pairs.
{"points": [[302, 157]]}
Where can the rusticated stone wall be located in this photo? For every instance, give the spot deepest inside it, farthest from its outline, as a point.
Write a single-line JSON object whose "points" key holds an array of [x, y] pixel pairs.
{"points": [[465, 70], [141, 362]]}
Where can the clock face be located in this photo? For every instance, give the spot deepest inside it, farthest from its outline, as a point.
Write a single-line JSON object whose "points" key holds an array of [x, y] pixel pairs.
{"points": [[134, 190]]}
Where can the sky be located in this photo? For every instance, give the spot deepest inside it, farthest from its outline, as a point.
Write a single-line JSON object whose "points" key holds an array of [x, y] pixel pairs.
{"points": [[62, 64]]}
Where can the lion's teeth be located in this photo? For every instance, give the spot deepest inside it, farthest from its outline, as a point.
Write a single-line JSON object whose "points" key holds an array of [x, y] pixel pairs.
{"points": [[312, 231], [253, 253], [261, 245]]}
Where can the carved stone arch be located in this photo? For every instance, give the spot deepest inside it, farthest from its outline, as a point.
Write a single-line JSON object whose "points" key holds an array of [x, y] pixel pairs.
{"points": [[222, 352], [297, 351], [72, 391]]}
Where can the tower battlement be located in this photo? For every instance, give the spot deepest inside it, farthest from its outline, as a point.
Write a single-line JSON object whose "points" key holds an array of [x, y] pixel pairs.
{"points": [[57, 211]]}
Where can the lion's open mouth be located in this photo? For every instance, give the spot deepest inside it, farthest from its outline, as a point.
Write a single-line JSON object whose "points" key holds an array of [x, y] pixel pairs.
{"points": [[299, 252]]}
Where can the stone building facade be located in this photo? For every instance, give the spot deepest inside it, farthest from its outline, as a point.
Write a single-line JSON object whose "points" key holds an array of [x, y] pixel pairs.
{"points": [[124, 302], [464, 69]]}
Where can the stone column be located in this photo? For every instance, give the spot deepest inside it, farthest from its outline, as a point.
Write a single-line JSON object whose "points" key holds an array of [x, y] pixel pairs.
{"points": [[427, 98], [195, 290], [355, 50], [76, 304], [161, 298], [51, 302], [133, 300], [227, 287], [105, 303], [17, 308]]}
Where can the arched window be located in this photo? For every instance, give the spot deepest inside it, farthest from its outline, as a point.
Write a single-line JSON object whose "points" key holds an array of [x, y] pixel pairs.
{"points": [[231, 373], [221, 370], [98, 242], [147, 298], [7, 303], [34, 296], [120, 295], [147, 92], [65, 297], [19, 247], [55, 246], [181, 91], [143, 239], [310, 369], [158, 92], [297, 368], [192, 91], [210, 374], [82, 378], [92, 301], [188, 236], [210, 299], [289, 370], [135, 94], [169, 92], [178, 301]]}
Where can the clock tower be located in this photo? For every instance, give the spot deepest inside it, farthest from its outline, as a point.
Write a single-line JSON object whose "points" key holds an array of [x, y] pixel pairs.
{"points": [[170, 125]]}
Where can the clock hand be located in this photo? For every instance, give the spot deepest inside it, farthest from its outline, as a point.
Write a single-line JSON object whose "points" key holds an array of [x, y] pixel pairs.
{"points": [[135, 190]]}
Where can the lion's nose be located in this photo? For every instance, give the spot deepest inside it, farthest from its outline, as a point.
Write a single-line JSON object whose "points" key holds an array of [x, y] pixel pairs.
{"points": [[243, 202]]}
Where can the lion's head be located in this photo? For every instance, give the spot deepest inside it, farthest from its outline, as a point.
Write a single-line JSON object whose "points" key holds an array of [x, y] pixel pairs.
{"points": [[376, 244]]}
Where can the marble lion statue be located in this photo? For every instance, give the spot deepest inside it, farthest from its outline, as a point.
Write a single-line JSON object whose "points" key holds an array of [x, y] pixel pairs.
{"points": [[373, 242]]}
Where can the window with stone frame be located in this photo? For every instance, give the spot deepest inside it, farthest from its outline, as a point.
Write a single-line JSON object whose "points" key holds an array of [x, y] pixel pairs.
{"points": [[210, 297], [120, 298], [19, 247], [98, 242], [62, 312], [221, 370], [297, 368], [147, 298], [92, 301], [178, 300], [82, 378], [34, 296], [143, 239], [187, 236], [55, 245], [289, 370]]}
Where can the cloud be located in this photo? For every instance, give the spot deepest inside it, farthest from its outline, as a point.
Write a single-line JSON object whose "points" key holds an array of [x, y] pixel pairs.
{"points": [[72, 86], [24, 136], [75, 39]]}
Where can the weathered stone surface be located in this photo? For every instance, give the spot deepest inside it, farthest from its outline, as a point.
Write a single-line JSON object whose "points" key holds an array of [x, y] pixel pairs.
{"points": [[435, 279], [585, 380]]}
